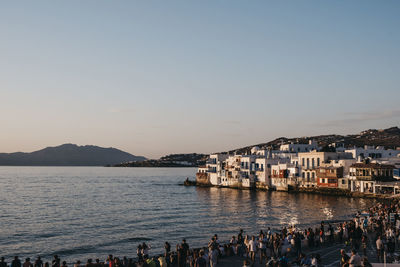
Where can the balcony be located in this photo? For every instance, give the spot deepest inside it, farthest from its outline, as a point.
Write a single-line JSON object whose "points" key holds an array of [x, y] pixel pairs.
{"points": [[211, 161]]}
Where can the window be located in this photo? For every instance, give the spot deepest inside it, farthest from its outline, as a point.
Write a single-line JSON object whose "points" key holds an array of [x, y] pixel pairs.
{"points": [[343, 181], [317, 161], [308, 163], [303, 175], [302, 162], [312, 163]]}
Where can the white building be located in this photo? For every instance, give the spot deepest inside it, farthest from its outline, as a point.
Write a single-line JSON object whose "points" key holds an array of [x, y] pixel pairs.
{"points": [[310, 161], [215, 167], [372, 152], [283, 175], [312, 145]]}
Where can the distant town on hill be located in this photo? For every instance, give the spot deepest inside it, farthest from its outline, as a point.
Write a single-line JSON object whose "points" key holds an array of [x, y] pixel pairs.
{"points": [[388, 138], [173, 160]]}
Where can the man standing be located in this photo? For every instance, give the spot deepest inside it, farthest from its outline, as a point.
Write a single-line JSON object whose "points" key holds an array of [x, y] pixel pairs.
{"points": [[240, 242], [38, 262], [262, 243], [16, 262], [253, 248], [56, 261], [379, 248], [355, 259]]}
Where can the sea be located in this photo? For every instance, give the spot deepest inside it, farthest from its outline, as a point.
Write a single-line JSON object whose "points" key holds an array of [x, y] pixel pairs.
{"points": [[90, 212]]}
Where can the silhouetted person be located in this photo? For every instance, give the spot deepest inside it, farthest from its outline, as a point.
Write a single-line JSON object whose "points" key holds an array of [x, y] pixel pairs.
{"points": [[55, 262], [2, 262], [16, 262], [38, 262], [27, 263]]}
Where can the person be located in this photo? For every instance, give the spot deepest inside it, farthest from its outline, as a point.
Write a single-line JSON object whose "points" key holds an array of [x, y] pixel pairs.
{"points": [[185, 247], [246, 263], [344, 258], [2, 262], [162, 261], [145, 249], [206, 256], [365, 262], [262, 242], [379, 248], [38, 262], [110, 261], [364, 242], [355, 259], [283, 261], [314, 260], [167, 249], [56, 261], [64, 264], [181, 255], [125, 262], [27, 263], [200, 261], [297, 243], [213, 258], [139, 253], [16, 262], [252, 248], [234, 244], [240, 243], [78, 263]]}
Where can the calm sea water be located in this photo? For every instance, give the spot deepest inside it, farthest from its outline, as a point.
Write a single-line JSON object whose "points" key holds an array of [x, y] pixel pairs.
{"points": [[89, 212]]}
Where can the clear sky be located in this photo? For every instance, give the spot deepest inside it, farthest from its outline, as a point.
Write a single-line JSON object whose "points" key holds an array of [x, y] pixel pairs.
{"points": [[160, 77]]}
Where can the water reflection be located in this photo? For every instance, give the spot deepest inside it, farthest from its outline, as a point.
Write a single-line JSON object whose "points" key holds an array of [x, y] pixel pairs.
{"points": [[254, 210]]}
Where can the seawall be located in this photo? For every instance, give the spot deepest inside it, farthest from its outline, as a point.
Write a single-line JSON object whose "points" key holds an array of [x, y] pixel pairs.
{"points": [[204, 182]]}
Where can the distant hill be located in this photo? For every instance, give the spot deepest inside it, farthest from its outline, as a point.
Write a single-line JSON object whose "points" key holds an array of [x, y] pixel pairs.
{"points": [[389, 138], [68, 155], [173, 160]]}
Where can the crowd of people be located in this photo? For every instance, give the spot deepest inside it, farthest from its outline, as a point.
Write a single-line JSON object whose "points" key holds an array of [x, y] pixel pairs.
{"points": [[378, 227]]}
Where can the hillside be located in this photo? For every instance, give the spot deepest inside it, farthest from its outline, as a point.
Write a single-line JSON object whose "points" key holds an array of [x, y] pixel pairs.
{"points": [[68, 155], [173, 160], [389, 138]]}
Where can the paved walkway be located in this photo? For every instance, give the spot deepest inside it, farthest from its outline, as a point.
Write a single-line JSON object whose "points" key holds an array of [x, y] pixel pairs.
{"points": [[330, 255]]}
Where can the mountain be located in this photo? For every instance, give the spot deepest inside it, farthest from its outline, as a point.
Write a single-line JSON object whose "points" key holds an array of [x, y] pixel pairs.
{"points": [[173, 160], [68, 155], [389, 138]]}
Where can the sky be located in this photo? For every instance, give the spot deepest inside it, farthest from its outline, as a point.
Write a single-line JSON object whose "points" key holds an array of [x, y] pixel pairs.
{"points": [[160, 77]]}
